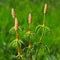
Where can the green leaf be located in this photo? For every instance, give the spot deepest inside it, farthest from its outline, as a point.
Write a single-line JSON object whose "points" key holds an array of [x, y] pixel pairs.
{"points": [[39, 26]]}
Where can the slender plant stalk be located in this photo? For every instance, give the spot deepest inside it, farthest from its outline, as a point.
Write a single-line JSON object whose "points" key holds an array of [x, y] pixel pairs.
{"points": [[29, 22], [16, 28], [45, 10], [17, 38]]}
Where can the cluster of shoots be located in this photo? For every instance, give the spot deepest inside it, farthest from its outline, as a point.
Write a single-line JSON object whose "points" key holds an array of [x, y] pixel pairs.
{"points": [[16, 28], [16, 42]]}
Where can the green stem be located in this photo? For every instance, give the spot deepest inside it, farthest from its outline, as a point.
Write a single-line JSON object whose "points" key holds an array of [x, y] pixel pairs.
{"points": [[44, 20], [42, 29]]}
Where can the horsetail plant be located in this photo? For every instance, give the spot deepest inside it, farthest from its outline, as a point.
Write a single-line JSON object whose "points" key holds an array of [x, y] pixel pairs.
{"points": [[29, 22], [16, 43], [29, 34], [30, 51], [43, 26]]}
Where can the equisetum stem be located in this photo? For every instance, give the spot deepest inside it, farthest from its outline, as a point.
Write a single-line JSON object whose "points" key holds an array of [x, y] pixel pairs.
{"points": [[18, 51], [45, 10], [16, 29], [17, 38], [44, 20], [29, 27], [30, 57], [42, 29], [29, 43]]}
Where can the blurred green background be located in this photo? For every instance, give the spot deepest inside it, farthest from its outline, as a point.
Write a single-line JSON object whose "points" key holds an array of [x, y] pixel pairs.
{"points": [[22, 9]]}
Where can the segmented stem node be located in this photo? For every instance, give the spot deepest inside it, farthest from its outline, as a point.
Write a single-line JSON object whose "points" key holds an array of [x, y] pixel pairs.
{"points": [[17, 36]]}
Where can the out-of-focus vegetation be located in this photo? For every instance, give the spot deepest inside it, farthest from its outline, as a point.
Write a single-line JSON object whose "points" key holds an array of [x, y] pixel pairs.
{"points": [[22, 9]]}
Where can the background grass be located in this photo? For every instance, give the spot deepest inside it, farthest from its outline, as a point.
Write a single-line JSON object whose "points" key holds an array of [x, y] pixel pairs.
{"points": [[22, 9]]}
